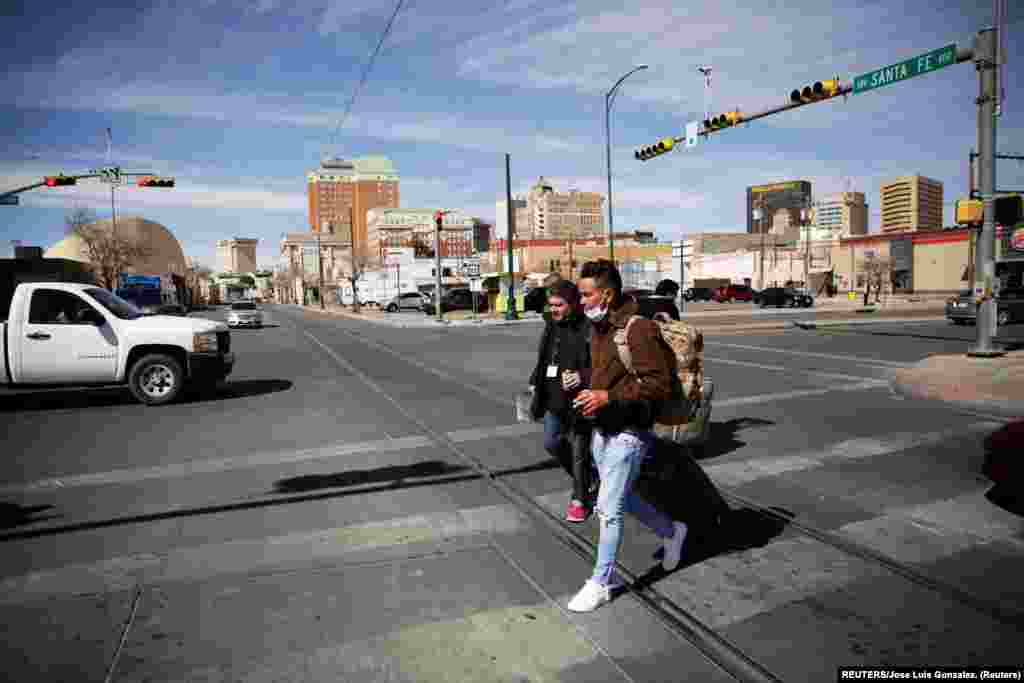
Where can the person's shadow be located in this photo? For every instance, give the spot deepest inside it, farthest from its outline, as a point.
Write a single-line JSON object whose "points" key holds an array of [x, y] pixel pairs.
{"points": [[722, 437]]}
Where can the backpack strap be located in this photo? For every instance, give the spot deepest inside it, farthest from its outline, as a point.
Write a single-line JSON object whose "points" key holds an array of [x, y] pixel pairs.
{"points": [[621, 339]]}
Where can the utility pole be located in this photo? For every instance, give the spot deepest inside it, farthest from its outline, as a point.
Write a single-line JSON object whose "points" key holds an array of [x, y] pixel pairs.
{"points": [[320, 264], [439, 220], [985, 285], [759, 217], [510, 309]]}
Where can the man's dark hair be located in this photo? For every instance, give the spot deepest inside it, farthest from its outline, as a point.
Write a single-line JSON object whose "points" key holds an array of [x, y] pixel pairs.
{"points": [[604, 274]]}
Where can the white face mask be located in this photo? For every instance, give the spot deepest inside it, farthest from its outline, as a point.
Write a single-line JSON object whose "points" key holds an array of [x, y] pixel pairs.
{"points": [[596, 314]]}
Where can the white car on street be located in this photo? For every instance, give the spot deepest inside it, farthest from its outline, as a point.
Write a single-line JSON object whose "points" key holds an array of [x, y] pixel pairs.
{"points": [[245, 314]]}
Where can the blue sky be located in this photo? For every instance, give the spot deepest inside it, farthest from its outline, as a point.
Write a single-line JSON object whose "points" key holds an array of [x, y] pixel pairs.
{"points": [[239, 100]]}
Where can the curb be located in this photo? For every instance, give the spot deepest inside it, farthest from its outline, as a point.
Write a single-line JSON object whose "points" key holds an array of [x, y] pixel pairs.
{"points": [[429, 323], [813, 325], [1008, 409]]}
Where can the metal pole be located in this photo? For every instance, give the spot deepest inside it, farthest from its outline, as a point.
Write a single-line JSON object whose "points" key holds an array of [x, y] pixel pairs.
{"points": [[320, 262], [437, 268], [510, 309], [608, 159], [985, 284]]}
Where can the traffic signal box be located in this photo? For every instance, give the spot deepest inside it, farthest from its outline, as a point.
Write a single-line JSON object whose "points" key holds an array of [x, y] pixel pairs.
{"points": [[59, 180], [819, 90], [1008, 210], [662, 146], [726, 120], [155, 181]]}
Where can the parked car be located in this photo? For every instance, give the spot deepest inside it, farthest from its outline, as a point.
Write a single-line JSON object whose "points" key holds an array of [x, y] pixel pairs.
{"points": [[698, 294], [245, 314], [732, 293], [458, 300], [68, 334], [649, 304], [962, 309], [784, 297], [172, 309], [408, 301]]}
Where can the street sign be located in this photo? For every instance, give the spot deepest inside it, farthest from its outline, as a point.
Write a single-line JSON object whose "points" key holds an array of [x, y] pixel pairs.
{"points": [[692, 137], [476, 285], [915, 66], [9, 200]]}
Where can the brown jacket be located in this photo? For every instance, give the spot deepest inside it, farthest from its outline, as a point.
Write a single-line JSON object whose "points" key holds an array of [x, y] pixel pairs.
{"points": [[634, 399]]}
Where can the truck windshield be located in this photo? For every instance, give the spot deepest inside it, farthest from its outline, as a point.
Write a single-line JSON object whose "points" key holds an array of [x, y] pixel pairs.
{"points": [[115, 304]]}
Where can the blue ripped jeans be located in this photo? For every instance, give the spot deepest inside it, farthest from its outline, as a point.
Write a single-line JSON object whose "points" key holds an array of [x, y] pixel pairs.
{"points": [[618, 458]]}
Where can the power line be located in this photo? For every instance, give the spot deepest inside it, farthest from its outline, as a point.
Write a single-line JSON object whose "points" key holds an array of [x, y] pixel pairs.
{"points": [[366, 71]]}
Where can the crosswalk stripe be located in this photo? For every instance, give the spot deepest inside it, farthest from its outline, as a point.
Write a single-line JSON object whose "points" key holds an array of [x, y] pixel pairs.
{"points": [[816, 354], [739, 472]]}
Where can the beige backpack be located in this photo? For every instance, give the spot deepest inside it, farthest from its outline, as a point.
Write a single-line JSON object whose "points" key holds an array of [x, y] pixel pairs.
{"points": [[683, 417]]}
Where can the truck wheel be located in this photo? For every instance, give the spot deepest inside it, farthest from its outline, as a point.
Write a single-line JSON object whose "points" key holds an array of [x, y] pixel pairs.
{"points": [[156, 379]]}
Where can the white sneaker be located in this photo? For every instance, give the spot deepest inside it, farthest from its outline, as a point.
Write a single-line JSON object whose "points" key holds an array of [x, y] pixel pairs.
{"points": [[673, 547], [590, 597]]}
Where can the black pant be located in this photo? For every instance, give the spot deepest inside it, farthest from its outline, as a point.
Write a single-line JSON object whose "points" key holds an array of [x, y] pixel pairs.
{"points": [[570, 446]]}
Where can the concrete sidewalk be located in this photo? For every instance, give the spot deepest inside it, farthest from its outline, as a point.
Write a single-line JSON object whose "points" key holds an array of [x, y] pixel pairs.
{"points": [[989, 385]]}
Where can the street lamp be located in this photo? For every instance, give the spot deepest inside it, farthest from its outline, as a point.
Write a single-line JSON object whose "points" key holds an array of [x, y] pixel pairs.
{"points": [[609, 96]]}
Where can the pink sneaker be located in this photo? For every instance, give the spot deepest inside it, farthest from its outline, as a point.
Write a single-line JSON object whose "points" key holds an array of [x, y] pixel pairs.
{"points": [[576, 512]]}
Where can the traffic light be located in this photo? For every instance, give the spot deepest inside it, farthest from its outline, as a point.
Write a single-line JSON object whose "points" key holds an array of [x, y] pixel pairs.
{"points": [[1008, 209], [819, 90], [729, 118], [970, 212], [58, 180], [657, 149], [155, 181]]}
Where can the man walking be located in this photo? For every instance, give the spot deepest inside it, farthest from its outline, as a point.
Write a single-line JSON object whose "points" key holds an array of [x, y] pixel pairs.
{"points": [[623, 405]]}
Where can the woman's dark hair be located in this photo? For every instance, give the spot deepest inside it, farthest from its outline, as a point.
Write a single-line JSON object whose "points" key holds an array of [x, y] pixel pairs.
{"points": [[605, 275]]}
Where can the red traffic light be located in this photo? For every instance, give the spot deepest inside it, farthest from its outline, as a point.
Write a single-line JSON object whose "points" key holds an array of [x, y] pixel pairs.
{"points": [[58, 180], [155, 181]]}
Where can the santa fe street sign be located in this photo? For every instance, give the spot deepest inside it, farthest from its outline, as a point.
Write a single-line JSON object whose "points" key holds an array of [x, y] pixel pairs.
{"points": [[922, 64]]}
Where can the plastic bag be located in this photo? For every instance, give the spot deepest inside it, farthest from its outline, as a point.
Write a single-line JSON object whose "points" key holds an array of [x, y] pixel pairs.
{"points": [[524, 399]]}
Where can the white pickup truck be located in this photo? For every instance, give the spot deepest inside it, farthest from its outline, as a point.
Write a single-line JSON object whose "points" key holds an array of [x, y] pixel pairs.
{"points": [[60, 333]]}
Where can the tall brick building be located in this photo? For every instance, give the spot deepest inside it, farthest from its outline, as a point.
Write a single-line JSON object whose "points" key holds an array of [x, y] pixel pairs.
{"points": [[343, 190]]}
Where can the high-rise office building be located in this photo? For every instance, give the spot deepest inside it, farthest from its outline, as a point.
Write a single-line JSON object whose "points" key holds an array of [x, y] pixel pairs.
{"points": [[911, 203], [792, 194], [547, 214], [841, 215], [343, 190]]}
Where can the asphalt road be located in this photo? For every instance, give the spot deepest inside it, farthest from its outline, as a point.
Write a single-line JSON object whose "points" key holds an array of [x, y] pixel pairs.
{"points": [[323, 516]]}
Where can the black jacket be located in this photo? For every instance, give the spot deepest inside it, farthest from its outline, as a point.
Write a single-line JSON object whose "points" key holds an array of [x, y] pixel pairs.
{"points": [[575, 356]]}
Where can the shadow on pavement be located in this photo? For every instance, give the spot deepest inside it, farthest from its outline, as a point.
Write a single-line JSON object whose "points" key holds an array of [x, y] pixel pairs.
{"points": [[722, 437], [394, 477], [105, 397], [1009, 341], [14, 515]]}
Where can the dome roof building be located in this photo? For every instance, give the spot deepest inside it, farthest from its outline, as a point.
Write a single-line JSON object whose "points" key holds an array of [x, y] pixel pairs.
{"points": [[164, 252]]}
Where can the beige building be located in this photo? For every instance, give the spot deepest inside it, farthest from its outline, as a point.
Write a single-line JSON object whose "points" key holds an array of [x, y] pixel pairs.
{"points": [[342, 191], [301, 267], [546, 214], [911, 203], [237, 255]]}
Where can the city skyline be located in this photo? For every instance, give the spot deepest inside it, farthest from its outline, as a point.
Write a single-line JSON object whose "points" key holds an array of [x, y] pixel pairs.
{"points": [[446, 109]]}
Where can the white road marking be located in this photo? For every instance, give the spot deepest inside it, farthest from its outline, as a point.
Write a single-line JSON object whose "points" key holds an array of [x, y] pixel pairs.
{"points": [[783, 368], [814, 354], [739, 472]]}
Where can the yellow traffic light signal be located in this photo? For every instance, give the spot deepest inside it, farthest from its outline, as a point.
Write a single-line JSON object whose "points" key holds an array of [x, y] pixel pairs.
{"points": [[729, 118], [155, 181], [969, 211], [819, 90], [657, 149]]}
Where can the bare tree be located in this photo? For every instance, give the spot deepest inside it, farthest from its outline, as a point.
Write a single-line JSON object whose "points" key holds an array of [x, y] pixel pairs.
{"points": [[354, 264], [195, 276], [109, 254]]}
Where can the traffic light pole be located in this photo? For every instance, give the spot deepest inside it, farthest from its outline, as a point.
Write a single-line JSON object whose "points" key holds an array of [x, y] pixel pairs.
{"points": [[985, 285], [510, 306]]}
